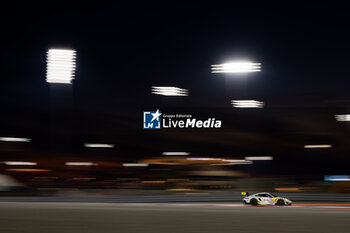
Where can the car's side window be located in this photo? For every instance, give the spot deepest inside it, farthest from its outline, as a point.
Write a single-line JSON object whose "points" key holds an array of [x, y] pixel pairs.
{"points": [[263, 195]]}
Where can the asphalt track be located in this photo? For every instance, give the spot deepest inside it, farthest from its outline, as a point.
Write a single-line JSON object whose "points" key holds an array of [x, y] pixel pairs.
{"points": [[172, 217]]}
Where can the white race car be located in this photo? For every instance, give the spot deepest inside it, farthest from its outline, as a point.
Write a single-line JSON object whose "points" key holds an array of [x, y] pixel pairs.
{"points": [[264, 199]]}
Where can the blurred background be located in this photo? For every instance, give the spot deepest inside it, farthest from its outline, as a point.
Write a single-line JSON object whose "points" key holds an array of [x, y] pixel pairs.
{"points": [[86, 136]]}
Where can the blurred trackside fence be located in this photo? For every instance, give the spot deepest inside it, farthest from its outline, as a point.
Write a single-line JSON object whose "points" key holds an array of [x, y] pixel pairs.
{"points": [[181, 197]]}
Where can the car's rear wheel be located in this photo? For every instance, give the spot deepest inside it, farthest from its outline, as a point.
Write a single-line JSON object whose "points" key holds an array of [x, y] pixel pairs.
{"points": [[254, 202], [280, 202], [245, 203]]}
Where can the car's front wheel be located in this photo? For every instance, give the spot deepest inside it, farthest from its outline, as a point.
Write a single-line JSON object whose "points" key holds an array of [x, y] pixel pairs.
{"points": [[280, 202]]}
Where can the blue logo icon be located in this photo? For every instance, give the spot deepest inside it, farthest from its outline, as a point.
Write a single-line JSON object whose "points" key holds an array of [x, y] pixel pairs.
{"points": [[151, 120]]}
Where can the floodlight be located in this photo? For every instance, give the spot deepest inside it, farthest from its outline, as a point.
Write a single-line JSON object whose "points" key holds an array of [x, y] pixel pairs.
{"points": [[169, 91], [247, 104], [236, 67], [60, 66], [344, 117]]}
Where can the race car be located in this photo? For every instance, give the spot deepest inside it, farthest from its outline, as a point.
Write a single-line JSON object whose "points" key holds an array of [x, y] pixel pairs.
{"points": [[264, 199]]}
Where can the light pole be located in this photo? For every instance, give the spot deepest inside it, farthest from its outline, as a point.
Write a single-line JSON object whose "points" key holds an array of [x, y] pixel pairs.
{"points": [[60, 73]]}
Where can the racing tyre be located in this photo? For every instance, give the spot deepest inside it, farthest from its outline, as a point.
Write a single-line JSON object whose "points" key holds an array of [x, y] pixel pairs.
{"points": [[245, 203], [254, 202], [280, 202]]}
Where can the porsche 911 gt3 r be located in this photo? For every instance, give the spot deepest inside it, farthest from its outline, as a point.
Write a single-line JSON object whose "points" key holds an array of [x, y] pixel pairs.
{"points": [[264, 199]]}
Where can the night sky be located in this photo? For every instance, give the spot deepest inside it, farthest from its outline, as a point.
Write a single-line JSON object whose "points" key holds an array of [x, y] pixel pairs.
{"points": [[124, 49]]}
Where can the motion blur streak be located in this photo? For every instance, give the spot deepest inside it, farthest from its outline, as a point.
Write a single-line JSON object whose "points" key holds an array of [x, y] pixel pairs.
{"points": [[288, 189], [14, 163], [259, 158], [337, 178], [135, 164], [27, 170], [317, 146], [10, 139], [203, 159], [81, 164], [153, 182], [97, 145], [238, 161], [84, 178], [220, 161], [176, 153]]}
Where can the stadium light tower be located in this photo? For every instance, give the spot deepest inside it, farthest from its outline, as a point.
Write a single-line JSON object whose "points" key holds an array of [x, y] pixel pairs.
{"points": [[60, 66]]}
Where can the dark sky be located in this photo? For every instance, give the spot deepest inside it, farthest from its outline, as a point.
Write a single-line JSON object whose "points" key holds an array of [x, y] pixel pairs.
{"points": [[124, 49], [128, 47]]}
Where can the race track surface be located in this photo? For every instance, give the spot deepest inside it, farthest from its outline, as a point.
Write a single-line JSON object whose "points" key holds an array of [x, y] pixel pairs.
{"points": [[171, 217]]}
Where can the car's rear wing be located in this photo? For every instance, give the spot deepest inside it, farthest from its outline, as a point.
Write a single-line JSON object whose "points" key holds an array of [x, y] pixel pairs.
{"points": [[245, 193]]}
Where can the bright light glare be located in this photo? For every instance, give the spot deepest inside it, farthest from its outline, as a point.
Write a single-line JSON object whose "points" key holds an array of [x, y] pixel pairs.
{"points": [[239, 161], [135, 164], [169, 91], [259, 158], [236, 67], [337, 178], [80, 164], [16, 163], [344, 117], [227, 161], [96, 145], [247, 104], [317, 146], [27, 170], [205, 159], [60, 66], [10, 139], [175, 153]]}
